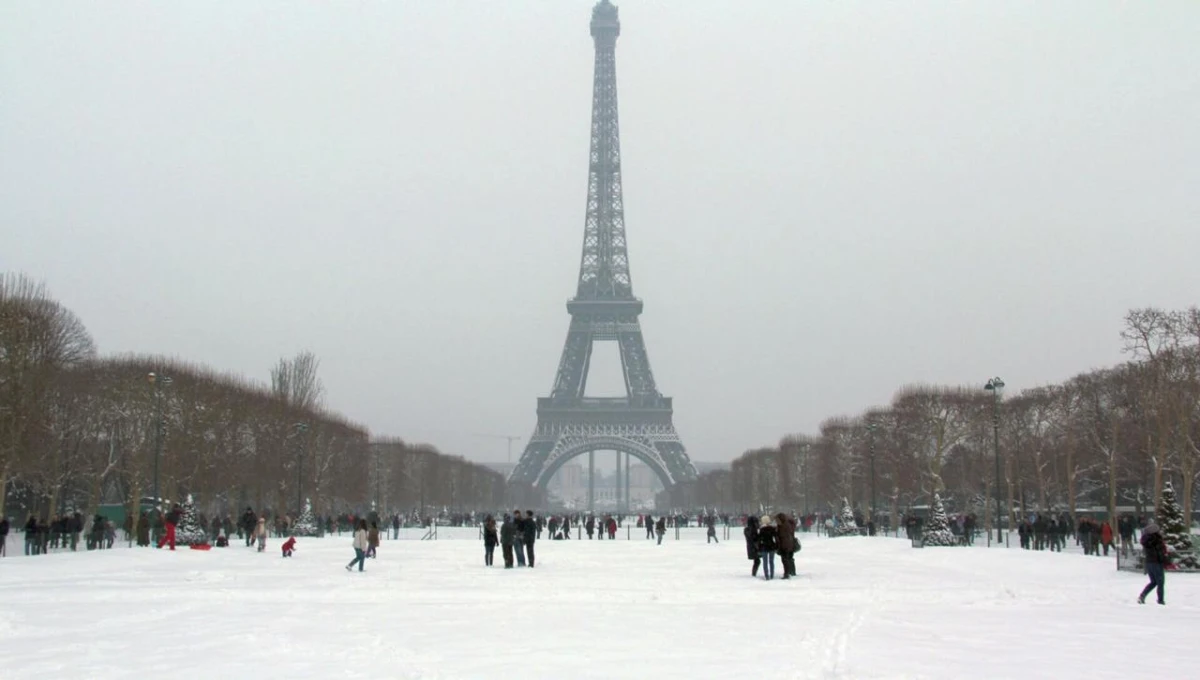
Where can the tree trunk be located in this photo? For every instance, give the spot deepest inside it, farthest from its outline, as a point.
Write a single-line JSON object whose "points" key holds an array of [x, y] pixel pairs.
{"points": [[1189, 480], [1112, 474], [1011, 491], [93, 505], [3, 488], [1071, 476]]}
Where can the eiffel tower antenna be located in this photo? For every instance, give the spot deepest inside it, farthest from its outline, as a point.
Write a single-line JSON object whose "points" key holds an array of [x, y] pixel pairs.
{"points": [[603, 309]]}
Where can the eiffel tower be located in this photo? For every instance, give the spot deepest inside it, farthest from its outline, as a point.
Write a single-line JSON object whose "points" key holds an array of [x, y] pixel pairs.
{"points": [[604, 309]]}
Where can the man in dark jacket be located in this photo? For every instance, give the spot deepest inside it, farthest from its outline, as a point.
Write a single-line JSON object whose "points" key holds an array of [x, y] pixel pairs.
{"points": [[1156, 558], [3, 535], [751, 535], [519, 537], [249, 522], [531, 532], [787, 544], [508, 532]]}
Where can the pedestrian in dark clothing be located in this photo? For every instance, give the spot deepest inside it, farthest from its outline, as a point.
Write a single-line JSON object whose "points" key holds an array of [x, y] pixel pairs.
{"points": [[3, 535], [31, 536], [768, 543], [711, 523], [590, 526], [649, 527], [531, 533], [396, 527], [249, 522], [508, 532], [1155, 550], [787, 544], [519, 537], [143, 530], [751, 535], [490, 539], [660, 528]]}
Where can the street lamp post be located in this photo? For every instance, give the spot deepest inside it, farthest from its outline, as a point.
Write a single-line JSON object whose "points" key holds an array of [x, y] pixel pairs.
{"points": [[871, 439], [996, 386], [301, 428], [157, 383]]}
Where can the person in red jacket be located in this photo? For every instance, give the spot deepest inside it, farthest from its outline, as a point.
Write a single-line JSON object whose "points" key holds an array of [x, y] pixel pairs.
{"points": [[171, 520], [1106, 536], [289, 546]]}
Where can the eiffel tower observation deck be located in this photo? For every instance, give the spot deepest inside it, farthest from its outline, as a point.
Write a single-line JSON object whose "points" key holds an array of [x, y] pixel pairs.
{"points": [[638, 425]]}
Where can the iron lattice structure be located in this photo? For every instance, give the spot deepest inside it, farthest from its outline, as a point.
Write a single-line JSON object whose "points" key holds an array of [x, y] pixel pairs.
{"points": [[604, 309]]}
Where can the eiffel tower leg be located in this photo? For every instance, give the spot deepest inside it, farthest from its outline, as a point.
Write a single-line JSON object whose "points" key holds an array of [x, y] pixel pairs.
{"points": [[618, 485], [628, 505], [591, 482]]}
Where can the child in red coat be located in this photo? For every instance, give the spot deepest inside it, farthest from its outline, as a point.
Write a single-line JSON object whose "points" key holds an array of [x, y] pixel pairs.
{"points": [[289, 546]]}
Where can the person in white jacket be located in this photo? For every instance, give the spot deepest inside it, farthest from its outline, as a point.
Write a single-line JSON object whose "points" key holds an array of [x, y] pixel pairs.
{"points": [[360, 545]]}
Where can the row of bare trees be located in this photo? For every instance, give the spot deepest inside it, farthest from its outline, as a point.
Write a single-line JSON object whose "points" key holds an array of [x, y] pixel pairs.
{"points": [[78, 430], [1102, 442]]}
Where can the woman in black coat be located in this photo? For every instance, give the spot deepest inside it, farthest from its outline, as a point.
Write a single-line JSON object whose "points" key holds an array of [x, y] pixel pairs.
{"points": [[751, 534], [490, 539], [768, 543]]}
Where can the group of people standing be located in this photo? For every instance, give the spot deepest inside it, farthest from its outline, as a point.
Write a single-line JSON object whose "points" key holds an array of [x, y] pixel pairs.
{"points": [[516, 536], [767, 536]]}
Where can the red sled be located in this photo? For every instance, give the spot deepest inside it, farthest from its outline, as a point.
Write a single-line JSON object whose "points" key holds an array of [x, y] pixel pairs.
{"points": [[202, 546]]}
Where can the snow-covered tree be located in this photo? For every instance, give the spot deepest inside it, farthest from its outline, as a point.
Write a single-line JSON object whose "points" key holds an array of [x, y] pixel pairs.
{"points": [[847, 526], [189, 530], [937, 529], [306, 524], [1175, 530]]}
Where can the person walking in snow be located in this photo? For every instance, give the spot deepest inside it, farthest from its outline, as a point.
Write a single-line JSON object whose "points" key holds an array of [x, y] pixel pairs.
{"points": [[711, 523], [360, 546], [649, 527], [1106, 536], [249, 522], [660, 528], [1155, 550], [395, 527], [289, 546], [490, 539], [260, 533], [768, 543]]}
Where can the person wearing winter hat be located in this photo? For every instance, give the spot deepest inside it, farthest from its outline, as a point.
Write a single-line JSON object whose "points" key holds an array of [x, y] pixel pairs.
{"points": [[1155, 551], [768, 543]]}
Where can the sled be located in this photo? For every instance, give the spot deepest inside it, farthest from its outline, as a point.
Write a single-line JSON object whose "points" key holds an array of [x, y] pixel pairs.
{"points": [[202, 546]]}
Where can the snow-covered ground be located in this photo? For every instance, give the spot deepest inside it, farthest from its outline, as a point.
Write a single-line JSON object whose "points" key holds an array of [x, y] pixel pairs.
{"points": [[862, 608]]}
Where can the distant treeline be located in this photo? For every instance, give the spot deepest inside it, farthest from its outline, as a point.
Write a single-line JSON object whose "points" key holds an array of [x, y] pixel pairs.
{"points": [[78, 430], [1102, 439]]}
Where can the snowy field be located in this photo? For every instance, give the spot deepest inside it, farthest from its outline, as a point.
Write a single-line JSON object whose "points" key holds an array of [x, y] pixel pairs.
{"points": [[861, 608]]}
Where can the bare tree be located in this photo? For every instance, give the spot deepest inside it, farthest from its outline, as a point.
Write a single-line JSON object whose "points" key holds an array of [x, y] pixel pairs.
{"points": [[295, 381]]}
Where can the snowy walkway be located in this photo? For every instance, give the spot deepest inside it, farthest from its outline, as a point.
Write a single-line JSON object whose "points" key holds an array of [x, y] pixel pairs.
{"points": [[862, 608]]}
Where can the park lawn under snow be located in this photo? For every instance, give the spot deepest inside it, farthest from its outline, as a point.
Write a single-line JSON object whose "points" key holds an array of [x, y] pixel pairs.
{"points": [[862, 608]]}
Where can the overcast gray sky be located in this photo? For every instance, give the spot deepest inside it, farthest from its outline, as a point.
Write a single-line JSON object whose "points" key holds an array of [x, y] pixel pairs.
{"points": [[824, 200]]}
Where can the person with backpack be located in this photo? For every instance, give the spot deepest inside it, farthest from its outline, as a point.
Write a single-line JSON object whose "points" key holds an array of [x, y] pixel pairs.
{"points": [[1155, 550]]}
